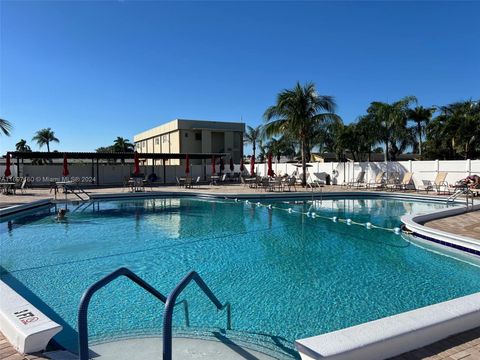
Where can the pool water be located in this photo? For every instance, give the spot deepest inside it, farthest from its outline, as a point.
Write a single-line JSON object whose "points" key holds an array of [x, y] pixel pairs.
{"points": [[285, 274]]}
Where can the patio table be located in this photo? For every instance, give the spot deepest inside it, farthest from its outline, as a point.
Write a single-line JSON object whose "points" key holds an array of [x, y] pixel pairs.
{"points": [[136, 184], [7, 187]]}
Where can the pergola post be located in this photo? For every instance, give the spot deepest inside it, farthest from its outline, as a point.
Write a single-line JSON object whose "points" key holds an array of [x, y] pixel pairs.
{"points": [[164, 172], [98, 175]]}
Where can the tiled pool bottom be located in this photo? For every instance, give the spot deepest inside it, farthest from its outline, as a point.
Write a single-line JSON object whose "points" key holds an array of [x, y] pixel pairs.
{"points": [[285, 274]]}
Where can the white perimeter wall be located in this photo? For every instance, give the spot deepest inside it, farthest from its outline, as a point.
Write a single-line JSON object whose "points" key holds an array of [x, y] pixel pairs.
{"points": [[339, 172]]}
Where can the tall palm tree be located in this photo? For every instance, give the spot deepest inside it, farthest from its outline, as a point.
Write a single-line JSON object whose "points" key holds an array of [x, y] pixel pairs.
{"points": [[122, 145], [421, 116], [297, 113], [391, 120], [5, 127], [45, 137], [253, 136], [22, 146]]}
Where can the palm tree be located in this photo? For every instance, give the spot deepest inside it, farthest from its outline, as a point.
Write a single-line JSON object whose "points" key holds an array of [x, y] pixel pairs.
{"points": [[391, 120], [45, 137], [421, 116], [122, 145], [297, 113], [5, 127], [22, 146], [253, 136], [279, 147]]}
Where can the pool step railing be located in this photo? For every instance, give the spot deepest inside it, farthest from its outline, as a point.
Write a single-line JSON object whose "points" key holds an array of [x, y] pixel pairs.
{"points": [[170, 303], [463, 191]]}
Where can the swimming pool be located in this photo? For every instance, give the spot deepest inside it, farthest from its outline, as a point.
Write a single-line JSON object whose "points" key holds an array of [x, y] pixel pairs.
{"points": [[285, 274]]}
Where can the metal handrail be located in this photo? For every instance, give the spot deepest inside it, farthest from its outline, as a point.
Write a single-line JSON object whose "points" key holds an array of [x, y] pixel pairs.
{"points": [[171, 301], [463, 191], [85, 301]]}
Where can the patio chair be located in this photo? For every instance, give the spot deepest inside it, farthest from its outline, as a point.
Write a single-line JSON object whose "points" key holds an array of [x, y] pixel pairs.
{"points": [[378, 183], [404, 185], [291, 182], [359, 181], [437, 184], [188, 183], [179, 184], [20, 186]]}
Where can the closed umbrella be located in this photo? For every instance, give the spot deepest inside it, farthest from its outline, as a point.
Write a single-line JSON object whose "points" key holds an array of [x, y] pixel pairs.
{"points": [[65, 171], [269, 164], [252, 166], [222, 165], [187, 165], [136, 170], [213, 165], [232, 167], [7, 166]]}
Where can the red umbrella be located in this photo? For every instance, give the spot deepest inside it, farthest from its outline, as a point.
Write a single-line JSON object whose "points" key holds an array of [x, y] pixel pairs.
{"points": [[269, 164], [136, 171], [232, 167], [213, 165], [187, 165], [7, 166], [252, 166], [65, 165], [222, 165], [241, 165]]}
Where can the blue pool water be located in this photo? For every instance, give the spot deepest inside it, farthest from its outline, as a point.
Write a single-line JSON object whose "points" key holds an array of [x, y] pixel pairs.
{"points": [[285, 274]]}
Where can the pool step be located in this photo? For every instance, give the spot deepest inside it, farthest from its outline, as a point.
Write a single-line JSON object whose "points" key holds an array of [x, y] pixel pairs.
{"points": [[197, 343]]}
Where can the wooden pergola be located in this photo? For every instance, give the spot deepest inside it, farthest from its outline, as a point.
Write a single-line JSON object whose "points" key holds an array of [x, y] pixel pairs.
{"points": [[96, 156]]}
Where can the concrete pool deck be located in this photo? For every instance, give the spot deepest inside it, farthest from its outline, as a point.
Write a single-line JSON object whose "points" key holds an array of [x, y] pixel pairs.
{"points": [[462, 346]]}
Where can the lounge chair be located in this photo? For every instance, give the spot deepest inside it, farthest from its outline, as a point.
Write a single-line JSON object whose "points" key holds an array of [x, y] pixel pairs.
{"points": [[314, 182], [188, 183], [378, 183], [242, 181], [438, 184], [359, 181], [405, 184], [197, 182]]}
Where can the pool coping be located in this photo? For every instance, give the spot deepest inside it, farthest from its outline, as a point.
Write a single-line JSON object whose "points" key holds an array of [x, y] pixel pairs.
{"points": [[14, 209], [395, 335], [415, 224], [407, 332]]}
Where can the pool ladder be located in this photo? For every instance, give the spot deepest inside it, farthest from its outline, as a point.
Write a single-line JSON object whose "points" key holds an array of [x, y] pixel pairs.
{"points": [[170, 302]]}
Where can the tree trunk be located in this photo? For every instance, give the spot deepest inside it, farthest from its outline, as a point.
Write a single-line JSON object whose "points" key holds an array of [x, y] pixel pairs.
{"points": [[304, 165], [420, 140], [48, 146], [386, 150]]}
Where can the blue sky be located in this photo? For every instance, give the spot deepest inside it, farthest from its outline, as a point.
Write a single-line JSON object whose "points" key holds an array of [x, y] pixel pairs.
{"points": [[96, 70]]}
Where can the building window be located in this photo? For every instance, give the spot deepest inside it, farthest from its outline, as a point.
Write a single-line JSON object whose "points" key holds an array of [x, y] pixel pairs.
{"points": [[143, 144], [165, 139], [198, 136], [157, 141]]}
